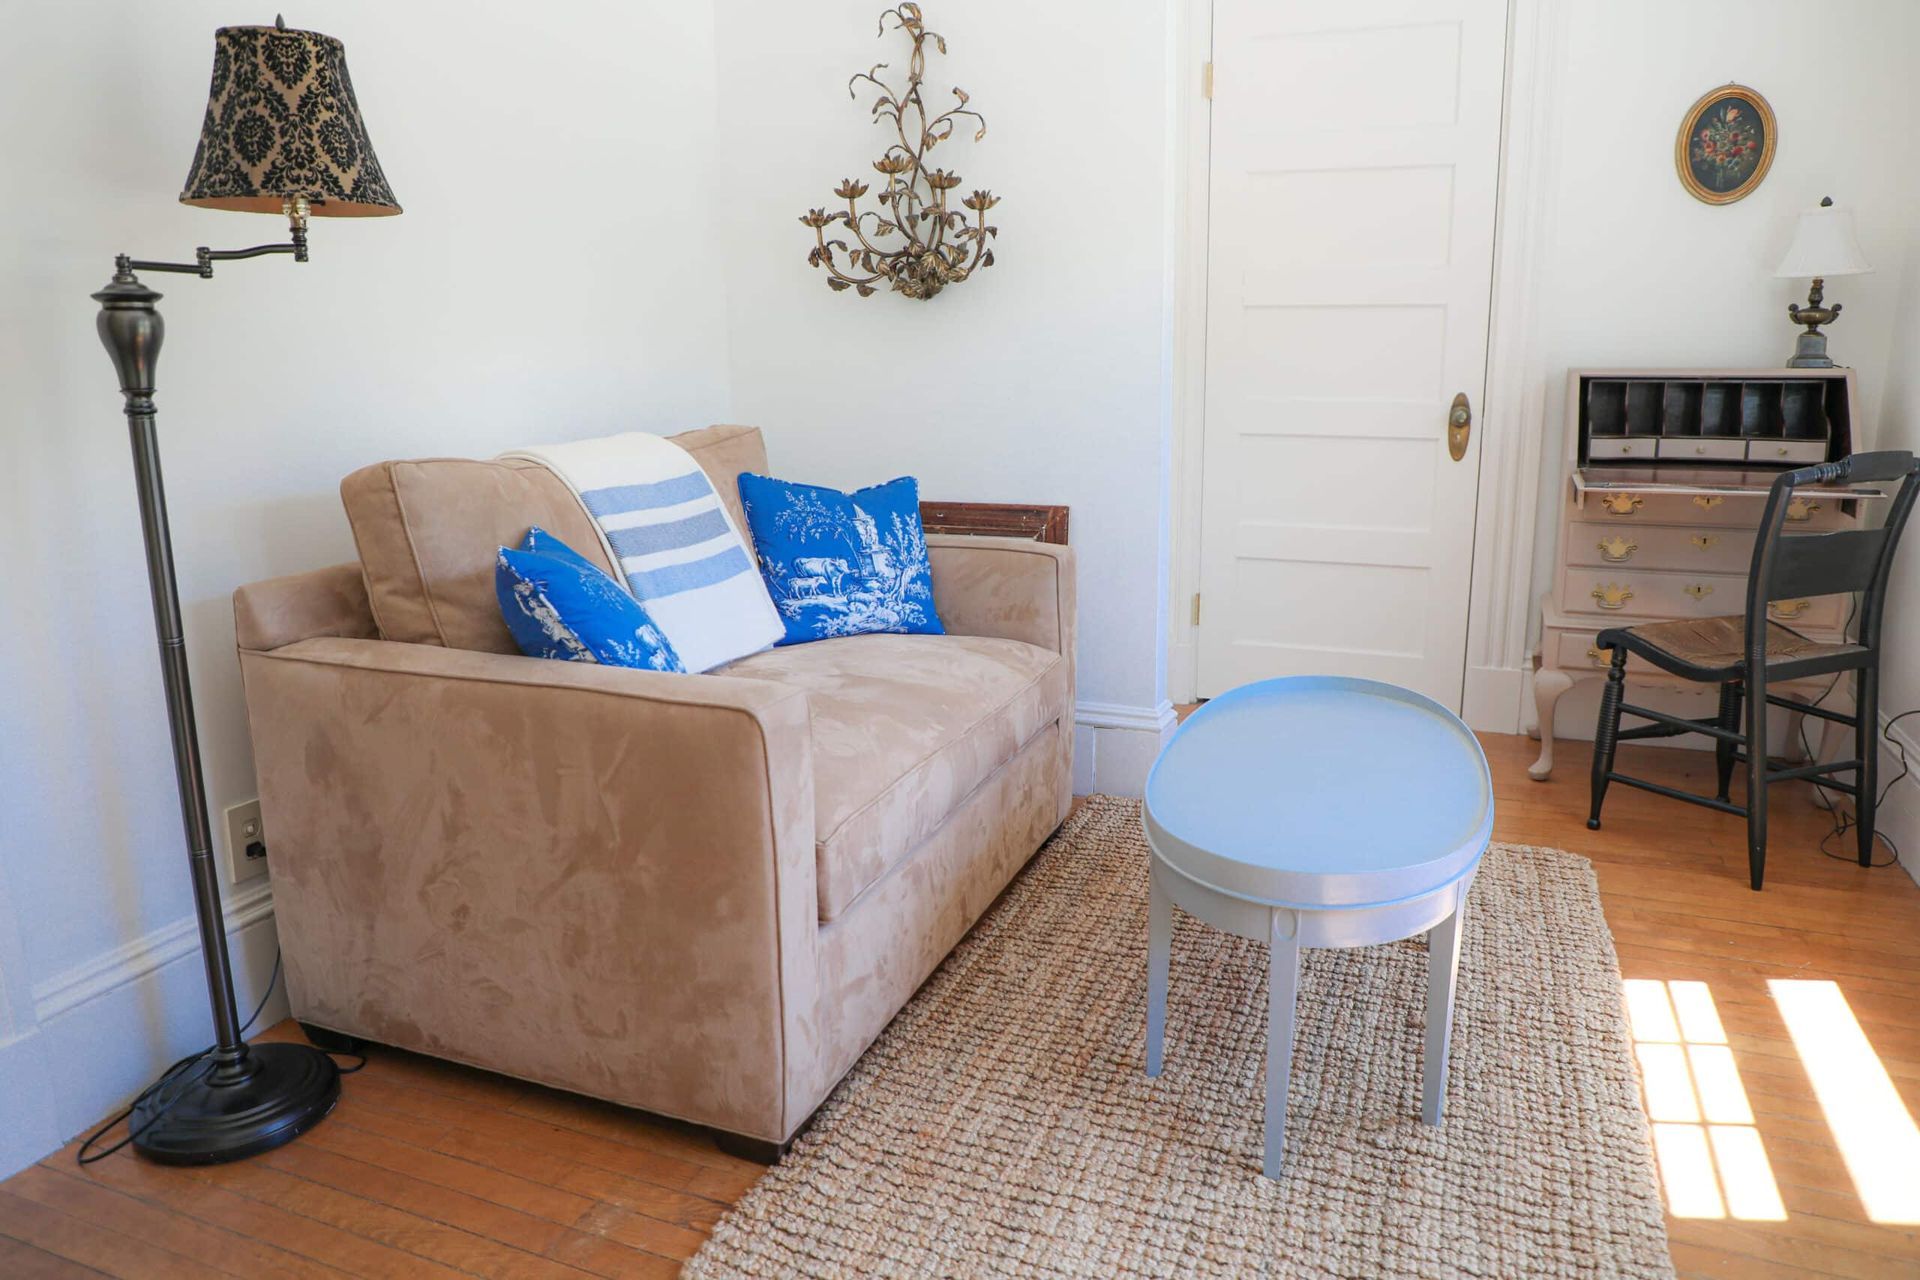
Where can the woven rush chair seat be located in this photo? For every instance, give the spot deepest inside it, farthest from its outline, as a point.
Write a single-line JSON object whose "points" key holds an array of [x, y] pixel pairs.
{"points": [[1715, 648]]}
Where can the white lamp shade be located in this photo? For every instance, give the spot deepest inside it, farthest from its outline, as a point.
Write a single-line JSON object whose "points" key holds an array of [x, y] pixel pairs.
{"points": [[1824, 245]]}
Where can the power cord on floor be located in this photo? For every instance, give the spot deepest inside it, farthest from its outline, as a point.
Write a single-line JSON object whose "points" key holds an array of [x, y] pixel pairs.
{"points": [[175, 1080], [1843, 821]]}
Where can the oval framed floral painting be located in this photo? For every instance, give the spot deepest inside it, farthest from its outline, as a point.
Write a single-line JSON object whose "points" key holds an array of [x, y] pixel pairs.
{"points": [[1725, 145]]}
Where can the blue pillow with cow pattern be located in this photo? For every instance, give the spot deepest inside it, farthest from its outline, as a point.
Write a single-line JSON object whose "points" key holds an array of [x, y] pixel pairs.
{"points": [[559, 604], [842, 564]]}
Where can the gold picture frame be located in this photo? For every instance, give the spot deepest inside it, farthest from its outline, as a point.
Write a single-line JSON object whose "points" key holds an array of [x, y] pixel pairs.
{"points": [[1717, 153]]}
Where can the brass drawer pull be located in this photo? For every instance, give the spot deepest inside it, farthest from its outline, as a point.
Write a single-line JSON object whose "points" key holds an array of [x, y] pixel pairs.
{"points": [[1788, 609], [1698, 590], [1705, 541], [1617, 548], [1706, 503], [1801, 509], [1610, 596], [1622, 504], [1599, 657]]}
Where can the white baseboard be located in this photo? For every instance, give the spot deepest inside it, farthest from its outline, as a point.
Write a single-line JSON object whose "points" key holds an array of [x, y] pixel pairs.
{"points": [[134, 960], [113, 1023], [1492, 698], [29, 1128], [1114, 746]]}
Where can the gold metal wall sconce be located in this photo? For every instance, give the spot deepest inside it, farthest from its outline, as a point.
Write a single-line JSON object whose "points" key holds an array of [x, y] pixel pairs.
{"points": [[923, 244]]}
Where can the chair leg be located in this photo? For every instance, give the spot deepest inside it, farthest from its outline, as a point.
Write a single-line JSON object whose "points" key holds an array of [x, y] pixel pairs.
{"points": [[1606, 732], [1756, 745], [1729, 719], [1866, 745]]}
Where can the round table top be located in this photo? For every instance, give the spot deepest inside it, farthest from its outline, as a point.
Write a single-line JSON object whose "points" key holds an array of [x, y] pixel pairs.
{"points": [[1321, 792]]}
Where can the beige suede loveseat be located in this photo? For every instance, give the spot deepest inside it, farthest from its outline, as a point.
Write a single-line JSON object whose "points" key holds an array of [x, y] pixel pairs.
{"points": [[699, 895]]}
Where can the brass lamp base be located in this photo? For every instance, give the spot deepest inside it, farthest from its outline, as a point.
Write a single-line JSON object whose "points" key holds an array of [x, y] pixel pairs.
{"points": [[1810, 348]]}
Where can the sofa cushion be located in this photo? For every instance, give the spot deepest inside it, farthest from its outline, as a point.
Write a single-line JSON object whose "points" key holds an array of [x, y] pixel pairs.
{"points": [[904, 728], [429, 529], [560, 605], [842, 564]]}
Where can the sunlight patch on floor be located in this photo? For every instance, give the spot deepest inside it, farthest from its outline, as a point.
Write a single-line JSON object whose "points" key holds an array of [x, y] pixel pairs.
{"points": [[1876, 1134], [1712, 1163]]}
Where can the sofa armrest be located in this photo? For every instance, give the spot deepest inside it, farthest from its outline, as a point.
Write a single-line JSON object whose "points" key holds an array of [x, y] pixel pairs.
{"points": [[1012, 588], [597, 878]]}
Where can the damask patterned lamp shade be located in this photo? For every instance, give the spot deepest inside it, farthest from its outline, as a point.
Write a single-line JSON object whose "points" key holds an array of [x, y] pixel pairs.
{"points": [[282, 126]]}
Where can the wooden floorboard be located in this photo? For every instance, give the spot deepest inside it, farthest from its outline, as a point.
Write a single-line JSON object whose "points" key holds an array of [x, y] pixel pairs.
{"points": [[428, 1169]]}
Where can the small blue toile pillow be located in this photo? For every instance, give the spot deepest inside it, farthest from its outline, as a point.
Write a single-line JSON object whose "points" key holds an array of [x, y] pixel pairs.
{"points": [[842, 564], [559, 604]]}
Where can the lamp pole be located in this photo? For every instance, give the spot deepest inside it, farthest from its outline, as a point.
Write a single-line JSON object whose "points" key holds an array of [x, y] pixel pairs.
{"points": [[237, 1100], [132, 330]]}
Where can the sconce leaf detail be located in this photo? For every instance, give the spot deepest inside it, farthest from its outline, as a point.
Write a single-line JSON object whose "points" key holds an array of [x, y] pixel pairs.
{"points": [[937, 245]]}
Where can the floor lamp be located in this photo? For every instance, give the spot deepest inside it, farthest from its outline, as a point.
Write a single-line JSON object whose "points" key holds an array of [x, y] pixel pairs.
{"points": [[282, 135]]}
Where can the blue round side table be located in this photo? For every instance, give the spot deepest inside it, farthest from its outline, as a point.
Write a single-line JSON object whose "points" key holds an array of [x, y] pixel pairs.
{"points": [[1317, 811]]}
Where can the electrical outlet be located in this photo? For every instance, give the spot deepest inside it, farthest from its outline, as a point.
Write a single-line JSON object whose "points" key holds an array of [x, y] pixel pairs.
{"points": [[246, 841]]}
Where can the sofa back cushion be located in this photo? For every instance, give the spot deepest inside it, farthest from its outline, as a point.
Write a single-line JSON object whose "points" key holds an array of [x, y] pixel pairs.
{"points": [[429, 530]]}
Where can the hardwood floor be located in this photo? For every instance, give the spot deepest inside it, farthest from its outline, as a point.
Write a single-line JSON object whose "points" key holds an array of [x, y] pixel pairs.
{"points": [[427, 1169]]}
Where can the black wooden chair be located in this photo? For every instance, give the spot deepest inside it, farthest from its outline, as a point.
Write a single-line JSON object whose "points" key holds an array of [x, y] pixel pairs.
{"points": [[1745, 654]]}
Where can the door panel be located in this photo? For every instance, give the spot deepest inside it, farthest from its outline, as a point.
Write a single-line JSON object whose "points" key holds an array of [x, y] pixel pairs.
{"points": [[1355, 153]]}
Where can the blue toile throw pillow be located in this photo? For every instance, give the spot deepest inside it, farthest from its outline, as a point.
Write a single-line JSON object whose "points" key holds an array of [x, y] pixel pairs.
{"points": [[559, 604], [842, 564]]}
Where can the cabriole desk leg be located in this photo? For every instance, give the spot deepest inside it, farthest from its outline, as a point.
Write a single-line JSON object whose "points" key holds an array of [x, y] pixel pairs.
{"points": [[1548, 684]]}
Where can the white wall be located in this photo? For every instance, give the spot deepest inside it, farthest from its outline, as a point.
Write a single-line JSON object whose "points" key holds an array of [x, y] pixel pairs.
{"points": [[555, 274], [1634, 272], [1900, 671], [1044, 378]]}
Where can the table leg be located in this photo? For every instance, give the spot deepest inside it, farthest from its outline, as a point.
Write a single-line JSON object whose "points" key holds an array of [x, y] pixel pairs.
{"points": [[1548, 684], [1283, 985], [1443, 965], [1159, 959]]}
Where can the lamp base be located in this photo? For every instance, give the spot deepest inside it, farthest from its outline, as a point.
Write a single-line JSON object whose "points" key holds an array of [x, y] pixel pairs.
{"points": [[273, 1094], [1810, 351]]}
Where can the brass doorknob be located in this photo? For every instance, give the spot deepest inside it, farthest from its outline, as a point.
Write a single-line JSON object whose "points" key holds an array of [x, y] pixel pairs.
{"points": [[1459, 426]]}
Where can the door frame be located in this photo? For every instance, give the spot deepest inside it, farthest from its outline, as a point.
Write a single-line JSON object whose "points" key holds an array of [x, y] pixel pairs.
{"points": [[1500, 606]]}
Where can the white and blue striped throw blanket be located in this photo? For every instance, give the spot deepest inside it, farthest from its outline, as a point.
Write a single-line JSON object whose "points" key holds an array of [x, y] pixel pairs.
{"points": [[662, 523]]}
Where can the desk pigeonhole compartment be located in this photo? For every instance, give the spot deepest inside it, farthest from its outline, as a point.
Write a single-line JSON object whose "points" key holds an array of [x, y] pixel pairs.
{"points": [[1760, 410], [1680, 411], [1803, 413], [1606, 407], [1643, 407], [1720, 409]]}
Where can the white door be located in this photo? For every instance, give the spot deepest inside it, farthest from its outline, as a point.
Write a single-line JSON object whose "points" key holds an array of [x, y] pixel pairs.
{"points": [[1355, 154]]}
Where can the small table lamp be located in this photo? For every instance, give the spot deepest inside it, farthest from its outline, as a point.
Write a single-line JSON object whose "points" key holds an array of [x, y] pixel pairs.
{"points": [[282, 135], [1823, 245]]}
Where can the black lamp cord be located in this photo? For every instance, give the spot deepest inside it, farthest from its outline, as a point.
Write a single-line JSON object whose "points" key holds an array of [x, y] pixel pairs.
{"points": [[176, 1079], [1843, 822]]}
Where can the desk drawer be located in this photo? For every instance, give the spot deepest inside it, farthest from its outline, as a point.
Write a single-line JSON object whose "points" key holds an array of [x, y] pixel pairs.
{"points": [[1637, 593], [1701, 549], [1700, 449], [1615, 448], [1703, 508], [1800, 453], [1576, 650], [1625, 590]]}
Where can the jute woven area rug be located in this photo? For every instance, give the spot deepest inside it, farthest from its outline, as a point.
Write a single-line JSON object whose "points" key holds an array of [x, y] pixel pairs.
{"points": [[1002, 1125]]}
